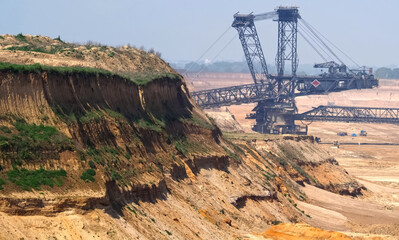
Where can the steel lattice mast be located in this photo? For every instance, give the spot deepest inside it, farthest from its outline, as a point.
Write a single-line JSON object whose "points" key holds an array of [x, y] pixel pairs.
{"points": [[244, 24], [287, 39], [287, 50]]}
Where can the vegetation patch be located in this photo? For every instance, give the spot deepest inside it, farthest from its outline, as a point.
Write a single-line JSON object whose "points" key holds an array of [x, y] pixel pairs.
{"points": [[147, 77], [58, 38], [390, 73], [5, 129], [111, 54], [27, 48], [37, 68], [102, 156], [113, 113], [92, 152], [20, 37], [91, 116], [132, 210], [115, 175], [92, 164], [107, 158], [137, 78], [232, 154], [195, 120], [88, 175], [182, 146], [32, 142], [266, 174], [2, 182], [266, 160], [110, 150], [275, 222], [237, 148], [146, 124], [282, 161], [36, 178]]}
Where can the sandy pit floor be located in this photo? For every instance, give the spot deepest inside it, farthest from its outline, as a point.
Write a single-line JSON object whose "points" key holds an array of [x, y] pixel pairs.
{"points": [[375, 166]]}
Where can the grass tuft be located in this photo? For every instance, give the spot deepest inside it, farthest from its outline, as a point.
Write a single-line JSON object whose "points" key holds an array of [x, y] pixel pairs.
{"points": [[20, 37], [147, 124], [32, 142], [88, 175], [111, 54], [5, 129], [137, 78], [92, 164], [182, 146], [2, 182], [36, 178]]}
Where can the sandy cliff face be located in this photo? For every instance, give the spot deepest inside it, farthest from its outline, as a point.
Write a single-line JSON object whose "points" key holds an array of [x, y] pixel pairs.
{"points": [[311, 164], [32, 95], [162, 169], [160, 164]]}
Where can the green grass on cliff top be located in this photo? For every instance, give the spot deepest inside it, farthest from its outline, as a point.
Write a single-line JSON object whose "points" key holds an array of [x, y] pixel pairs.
{"points": [[138, 78]]}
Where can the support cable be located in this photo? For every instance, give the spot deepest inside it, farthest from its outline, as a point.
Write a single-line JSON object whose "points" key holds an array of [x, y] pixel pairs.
{"points": [[207, 50], [314, 48], [217, 55], [314, 39], [334, 45], [321, 40]]}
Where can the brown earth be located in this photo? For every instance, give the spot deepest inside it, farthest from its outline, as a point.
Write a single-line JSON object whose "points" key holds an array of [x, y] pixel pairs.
{"points": [[375, 167], [163, 170]]}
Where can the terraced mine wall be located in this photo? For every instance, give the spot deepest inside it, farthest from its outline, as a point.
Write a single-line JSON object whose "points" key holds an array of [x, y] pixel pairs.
{"points": [[107, 149]]}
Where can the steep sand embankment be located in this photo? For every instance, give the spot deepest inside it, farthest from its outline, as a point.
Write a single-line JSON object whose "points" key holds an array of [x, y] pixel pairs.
{"points": [[162, 169], [138, 160]]}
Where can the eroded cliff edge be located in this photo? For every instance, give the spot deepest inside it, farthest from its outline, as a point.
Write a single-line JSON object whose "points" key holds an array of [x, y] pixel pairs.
{"points": [[140, 150]]}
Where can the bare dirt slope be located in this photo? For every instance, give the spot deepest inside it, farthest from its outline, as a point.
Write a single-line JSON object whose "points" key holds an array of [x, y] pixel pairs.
{"points": [[376, 167], [225, 120], [88, 154]]}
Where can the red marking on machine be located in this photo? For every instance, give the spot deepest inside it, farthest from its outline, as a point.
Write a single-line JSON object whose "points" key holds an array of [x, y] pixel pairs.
{"points": [[315, 83]]}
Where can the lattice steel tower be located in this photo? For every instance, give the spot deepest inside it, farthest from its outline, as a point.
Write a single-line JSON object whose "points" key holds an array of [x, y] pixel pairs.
{"points": [[244, 24], [276, 114], [287, 39]]}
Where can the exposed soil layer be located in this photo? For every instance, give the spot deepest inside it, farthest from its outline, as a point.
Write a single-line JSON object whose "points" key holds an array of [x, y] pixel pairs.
{"points": [[375, 167], [162, 178], [162, 169]]}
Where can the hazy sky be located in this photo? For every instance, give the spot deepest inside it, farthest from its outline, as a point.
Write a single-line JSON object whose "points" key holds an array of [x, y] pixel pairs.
{"points": [[183, 29]]}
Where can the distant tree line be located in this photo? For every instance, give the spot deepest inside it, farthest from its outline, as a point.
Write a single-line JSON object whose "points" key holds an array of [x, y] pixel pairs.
{"points": [[234, 67], [387, 73], [242, 67], [223, 66]]}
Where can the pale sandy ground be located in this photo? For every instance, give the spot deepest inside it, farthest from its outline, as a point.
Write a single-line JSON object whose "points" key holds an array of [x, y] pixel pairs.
{"points": [[341, 213], [376, 167]]}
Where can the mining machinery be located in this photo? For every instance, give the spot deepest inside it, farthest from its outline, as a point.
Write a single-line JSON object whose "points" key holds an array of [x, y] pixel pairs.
{"points": [[275, 94]]}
